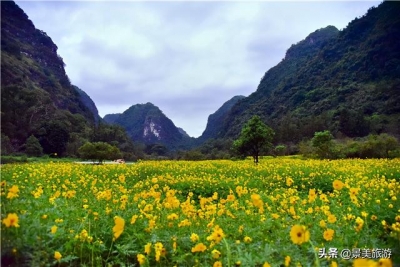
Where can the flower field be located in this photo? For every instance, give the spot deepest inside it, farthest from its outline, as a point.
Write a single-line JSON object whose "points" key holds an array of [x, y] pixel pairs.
{"points": [[281, 212]]}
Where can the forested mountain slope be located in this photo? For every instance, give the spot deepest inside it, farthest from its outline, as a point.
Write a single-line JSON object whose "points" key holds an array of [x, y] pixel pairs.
{"points": [[345, 81], [37, 97], [215, 121]]}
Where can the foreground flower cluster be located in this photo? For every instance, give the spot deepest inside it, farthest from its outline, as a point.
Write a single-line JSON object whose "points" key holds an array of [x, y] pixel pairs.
{"points": [[208, 213]]}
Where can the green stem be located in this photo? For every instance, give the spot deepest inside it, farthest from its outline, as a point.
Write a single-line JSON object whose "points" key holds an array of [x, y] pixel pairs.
{"points": [[228, 250], [317, 263], [91, 246], [109, 251]]}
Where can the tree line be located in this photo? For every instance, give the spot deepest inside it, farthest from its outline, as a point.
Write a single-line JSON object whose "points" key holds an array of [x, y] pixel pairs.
{"points": [[108, 142]]}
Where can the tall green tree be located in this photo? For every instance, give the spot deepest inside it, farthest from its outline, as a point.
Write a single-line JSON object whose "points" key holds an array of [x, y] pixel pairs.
{"points": [[323, 143], [99, 151], [6, 147], [255, 138], [33, 147], [54, 136]]}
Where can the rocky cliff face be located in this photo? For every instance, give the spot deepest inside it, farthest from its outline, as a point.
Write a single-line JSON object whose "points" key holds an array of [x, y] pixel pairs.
{"points": [[152, 131], [146, 123]]}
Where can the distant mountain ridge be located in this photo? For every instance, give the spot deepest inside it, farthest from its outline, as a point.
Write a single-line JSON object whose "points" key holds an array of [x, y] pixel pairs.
{"points": [[111, 118], [88, 102], [216, 120], [146, 123]]}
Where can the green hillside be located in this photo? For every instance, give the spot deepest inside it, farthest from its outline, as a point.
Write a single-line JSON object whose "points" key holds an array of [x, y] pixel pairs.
{"points": [[345, 81], [215, 121]]}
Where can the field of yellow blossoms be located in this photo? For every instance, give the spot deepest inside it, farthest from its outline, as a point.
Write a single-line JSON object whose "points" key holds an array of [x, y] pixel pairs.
{"points": [[281, 212]]}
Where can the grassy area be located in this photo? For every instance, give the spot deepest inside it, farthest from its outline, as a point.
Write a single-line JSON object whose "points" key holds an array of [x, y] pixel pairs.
{"points": [[281, 212], [25, 159]]}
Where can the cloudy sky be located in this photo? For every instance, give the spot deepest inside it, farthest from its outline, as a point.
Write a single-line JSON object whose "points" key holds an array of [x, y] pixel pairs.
{"points": [[187, 58]]}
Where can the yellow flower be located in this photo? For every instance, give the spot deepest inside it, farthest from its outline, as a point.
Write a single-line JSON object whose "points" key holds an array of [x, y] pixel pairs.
{"points": [[210, 224], [385, 263], [289, 181], [118, 227], [215, 254], [217, 264], [311, 195], [194, 237], [359, 224], [299, 234], [215, 196], [53, 229], [141, 259], [331, 218], [230, 198], [338, 185], [57, 255], [160, 250], [247, 239], [44, 216], [334, 264], [217, 235], [364, 263], [287, 261], [11, 220], [275, 216], [147, 248], [266, 264], [328, 234], [199, 248], [13, 192], [134, 218], [354, 191], [322, 223], [172, 216]]}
